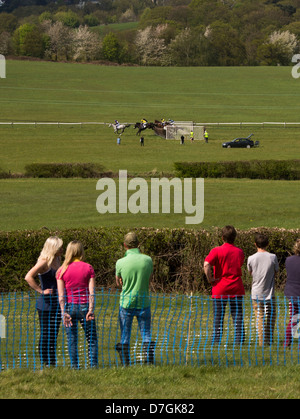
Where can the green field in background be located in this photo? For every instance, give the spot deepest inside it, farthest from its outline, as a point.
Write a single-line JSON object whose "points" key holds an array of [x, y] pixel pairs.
{"points": [[48, 91], [71, 203], [45, 91]]}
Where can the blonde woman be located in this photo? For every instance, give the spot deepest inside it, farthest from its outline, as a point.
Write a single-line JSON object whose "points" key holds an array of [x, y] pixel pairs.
{"points": [[47, 304], [76, 284]]}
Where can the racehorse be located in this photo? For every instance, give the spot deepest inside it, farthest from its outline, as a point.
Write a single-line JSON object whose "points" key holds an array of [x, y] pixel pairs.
{"points": [[141, 127], [120, 127], [160, 124]]}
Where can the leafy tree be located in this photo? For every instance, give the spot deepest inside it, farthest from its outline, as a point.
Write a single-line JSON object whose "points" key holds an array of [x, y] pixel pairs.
{"points": [[128, 16], [154, 17], [68, 18], [8, 22], [111, 48], [28, 40], [278, 49], [205, 12], [86, 44], [45, 16], [91, 20], [189, 48], [225, 46], [60, 42], [294, 28], [5, 43], [151, 47]]}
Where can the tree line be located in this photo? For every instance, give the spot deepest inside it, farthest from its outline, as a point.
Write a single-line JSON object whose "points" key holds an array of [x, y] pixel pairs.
{"points": [[149, 32]]}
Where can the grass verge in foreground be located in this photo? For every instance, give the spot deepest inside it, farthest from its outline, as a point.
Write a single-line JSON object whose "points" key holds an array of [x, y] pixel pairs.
{"points": [[71, 203], [267, 382]]}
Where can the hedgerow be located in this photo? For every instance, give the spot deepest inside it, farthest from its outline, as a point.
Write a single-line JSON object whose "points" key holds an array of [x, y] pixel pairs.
{"points": [[64, 170], [178, 254], [253, 169]]}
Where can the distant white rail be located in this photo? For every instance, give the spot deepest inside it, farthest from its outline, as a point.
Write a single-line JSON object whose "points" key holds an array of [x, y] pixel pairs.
{"points": [[12, 123], [205, 124], [284, 124]]}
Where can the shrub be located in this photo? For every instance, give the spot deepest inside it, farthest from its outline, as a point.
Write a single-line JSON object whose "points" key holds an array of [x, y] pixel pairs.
{"points": [[178, 254], [253, 169], [64, 170]]}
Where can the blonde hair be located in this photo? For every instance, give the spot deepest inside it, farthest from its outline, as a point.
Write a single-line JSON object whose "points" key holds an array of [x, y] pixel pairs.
{"points": [[296, 247], [74, 251], [51, 247]]}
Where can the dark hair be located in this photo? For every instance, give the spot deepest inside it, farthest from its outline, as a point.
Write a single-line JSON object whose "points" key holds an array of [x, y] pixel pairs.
{"points": [[229, 234], [261, 240]]}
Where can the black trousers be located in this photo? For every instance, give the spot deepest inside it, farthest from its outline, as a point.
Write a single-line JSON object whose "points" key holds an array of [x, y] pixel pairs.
{"points": [[236, 311], [49, 328]]}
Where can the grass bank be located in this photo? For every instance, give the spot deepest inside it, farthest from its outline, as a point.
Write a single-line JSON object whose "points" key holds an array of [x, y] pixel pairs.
{"points": [[135, 383]]}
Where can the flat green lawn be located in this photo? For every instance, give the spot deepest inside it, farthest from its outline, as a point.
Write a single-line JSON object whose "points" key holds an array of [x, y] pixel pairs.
{"points": [[23, 145], [46, 91], [71, 203]]}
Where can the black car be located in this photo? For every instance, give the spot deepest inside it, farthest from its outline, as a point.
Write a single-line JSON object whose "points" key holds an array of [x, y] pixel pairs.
{"points": [[241, 143]]}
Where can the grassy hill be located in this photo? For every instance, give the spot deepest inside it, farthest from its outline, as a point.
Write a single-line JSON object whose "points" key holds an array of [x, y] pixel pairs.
{"points": [[45, 91]]}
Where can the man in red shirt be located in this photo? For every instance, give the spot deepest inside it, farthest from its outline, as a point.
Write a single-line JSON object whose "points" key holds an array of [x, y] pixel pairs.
{"points": [[227, 284]]}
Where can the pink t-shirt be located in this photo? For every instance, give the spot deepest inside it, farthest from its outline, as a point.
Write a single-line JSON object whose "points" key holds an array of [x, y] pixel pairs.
{"points": [[77, 278], [227, 261]]}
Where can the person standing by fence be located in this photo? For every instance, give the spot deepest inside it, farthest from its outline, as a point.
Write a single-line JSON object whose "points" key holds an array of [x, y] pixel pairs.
{"points": [[77, 278], [227, 285], [133, 273], [47, 304], [292, 291], [263, 266], [206, 136]]}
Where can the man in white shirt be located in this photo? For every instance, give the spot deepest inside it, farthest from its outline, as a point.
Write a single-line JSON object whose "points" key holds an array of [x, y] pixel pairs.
{"points": [[263, 267]]}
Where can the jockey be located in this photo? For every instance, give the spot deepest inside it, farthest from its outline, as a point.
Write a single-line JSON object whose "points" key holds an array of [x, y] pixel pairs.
{"points": [[144, 122], [117, 123]]}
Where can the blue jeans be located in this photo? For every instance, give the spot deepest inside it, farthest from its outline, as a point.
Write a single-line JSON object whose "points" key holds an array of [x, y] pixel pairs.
{"points": [[78, 312], [236, 310], [143, 316]]}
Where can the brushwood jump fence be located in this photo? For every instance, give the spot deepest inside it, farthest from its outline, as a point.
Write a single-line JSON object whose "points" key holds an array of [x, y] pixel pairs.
{"points": [[181, 328]]}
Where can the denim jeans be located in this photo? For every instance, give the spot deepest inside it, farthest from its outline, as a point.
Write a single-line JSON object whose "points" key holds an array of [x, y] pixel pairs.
{"points": [[265, 314], [49, 326], [143, 316], [236, 311], [78, 313], [294, 310]]}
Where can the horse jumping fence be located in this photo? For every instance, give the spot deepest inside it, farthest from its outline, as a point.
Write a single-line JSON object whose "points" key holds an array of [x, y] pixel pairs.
{"points": [[182, 328]]}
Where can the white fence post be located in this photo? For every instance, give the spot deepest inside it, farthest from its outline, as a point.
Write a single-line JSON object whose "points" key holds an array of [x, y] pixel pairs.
{"points": [[2, 67], [2, 327]]}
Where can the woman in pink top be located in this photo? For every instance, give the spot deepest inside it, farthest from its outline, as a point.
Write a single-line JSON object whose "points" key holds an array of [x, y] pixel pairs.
{"points": [[76, 284]]}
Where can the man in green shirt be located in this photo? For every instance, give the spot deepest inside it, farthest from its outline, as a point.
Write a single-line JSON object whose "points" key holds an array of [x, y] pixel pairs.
{"points": [[133, 273]]}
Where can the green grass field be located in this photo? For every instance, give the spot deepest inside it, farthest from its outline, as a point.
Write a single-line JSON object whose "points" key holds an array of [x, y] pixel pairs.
{"points": [[161, 383], [66, 203], [76, 92], [43, 91]]}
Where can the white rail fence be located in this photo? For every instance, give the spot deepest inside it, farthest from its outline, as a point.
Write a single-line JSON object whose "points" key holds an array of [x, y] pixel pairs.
{"points": [[195, 124]]}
